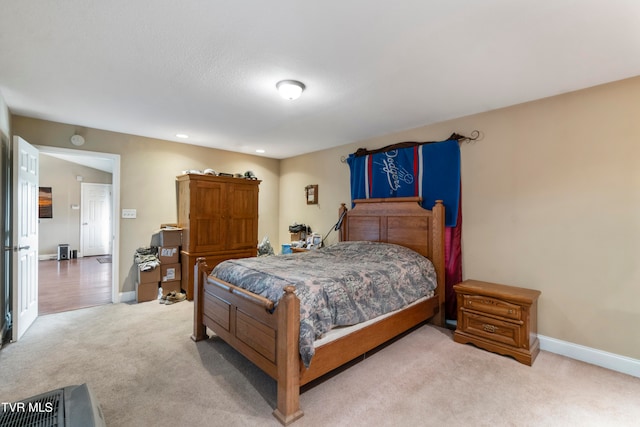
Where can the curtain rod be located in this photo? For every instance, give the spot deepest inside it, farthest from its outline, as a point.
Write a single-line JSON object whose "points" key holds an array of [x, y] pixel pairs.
{"points": [[475, 135]]}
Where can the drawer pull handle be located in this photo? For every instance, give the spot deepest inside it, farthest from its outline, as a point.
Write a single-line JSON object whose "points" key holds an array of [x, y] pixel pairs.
{"points": [[489, 328]]}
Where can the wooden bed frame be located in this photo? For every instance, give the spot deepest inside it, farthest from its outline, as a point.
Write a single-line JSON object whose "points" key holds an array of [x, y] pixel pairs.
{"points": [[269, 338]]}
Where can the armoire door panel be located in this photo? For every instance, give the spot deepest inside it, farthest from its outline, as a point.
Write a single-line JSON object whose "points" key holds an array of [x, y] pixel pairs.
{"points": [[243, 200], [209, 199], [211, 236], [243, 217], [244, 234], [208, 232]]}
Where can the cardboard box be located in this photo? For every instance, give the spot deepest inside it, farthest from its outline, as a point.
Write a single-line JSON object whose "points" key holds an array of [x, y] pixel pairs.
{"points": [[170, 272], [173, 285], [300, 235], [146, 291], [169, 254], [149, 276], [171, 237]]}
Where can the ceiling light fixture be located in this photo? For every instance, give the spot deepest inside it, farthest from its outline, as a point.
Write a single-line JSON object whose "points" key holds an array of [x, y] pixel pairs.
{"points": [[182, 135], [290, 89], [260, 151]]}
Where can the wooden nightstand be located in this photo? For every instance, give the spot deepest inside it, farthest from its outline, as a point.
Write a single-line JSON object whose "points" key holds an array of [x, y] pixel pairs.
{"points": [[498, 318]]}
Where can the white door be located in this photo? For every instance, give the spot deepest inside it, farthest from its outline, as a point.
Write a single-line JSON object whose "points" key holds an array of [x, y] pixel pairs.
{"points": [[95, 219], [25, 236]]}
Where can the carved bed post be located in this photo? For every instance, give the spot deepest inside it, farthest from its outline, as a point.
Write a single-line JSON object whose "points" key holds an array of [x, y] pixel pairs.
{"points": [[438, 246], [343, 232], [288, 358], [199, 331]]}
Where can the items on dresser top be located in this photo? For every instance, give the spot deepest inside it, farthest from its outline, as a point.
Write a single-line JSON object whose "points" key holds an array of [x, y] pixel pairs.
{"points": [[213, 172], [302, 239]]}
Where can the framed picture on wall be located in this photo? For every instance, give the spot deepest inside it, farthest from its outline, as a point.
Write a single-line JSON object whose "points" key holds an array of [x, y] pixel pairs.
{"points": [[45, 203], [311, 192]]}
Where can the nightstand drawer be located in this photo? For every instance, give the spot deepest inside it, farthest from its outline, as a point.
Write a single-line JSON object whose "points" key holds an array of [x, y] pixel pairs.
{"points": [[493, 329], [493, 306]]}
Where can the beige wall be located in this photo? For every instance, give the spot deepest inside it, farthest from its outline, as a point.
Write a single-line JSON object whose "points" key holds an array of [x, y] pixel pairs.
{"points": [[550, 201], [325, 169], [148, 168], [64, 227]]}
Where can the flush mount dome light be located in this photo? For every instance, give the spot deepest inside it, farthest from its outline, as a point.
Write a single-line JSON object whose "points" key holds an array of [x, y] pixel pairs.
{"points": [[290, 89]]}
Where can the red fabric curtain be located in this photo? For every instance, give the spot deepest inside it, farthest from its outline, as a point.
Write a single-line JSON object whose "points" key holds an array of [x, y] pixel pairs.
{"points": [[453, 263]]}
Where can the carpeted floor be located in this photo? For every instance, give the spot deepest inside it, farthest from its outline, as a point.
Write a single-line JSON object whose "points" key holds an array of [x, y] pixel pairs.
{"points": [[144, 369]]}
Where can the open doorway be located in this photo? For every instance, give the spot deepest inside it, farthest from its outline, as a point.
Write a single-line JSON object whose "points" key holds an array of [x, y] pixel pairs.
{"points": [[81, 274]]}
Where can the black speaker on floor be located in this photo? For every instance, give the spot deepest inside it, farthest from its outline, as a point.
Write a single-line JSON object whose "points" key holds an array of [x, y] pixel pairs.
{"points": [[63, 251]]}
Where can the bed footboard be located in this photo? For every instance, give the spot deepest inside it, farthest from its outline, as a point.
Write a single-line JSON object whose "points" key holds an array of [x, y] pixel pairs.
{"points": [[249, 323]]}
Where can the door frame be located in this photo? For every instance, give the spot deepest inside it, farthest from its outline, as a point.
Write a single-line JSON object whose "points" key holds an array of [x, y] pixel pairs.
{"points": [[115, 206]]}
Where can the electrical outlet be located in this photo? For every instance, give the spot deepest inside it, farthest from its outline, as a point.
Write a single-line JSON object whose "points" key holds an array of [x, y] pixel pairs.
{"points": [[129, 213]]}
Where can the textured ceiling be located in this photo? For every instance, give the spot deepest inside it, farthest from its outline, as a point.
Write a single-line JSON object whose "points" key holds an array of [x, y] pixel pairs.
{"points": [[209, 68]]}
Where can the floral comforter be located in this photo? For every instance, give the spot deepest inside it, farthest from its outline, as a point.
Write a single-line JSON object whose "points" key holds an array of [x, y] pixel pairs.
{"points": [[340, 285]]}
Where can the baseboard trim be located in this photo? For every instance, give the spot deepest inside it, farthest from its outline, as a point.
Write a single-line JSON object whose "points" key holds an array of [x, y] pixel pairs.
{"points": [[127, 296], [615, 362]]}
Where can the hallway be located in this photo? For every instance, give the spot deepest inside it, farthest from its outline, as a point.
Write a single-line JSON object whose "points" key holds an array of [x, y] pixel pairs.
{"points": [[72, 284]]}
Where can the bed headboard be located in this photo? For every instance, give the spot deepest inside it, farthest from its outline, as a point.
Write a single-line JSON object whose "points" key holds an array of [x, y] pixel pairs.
{"points": [[401, 221]]}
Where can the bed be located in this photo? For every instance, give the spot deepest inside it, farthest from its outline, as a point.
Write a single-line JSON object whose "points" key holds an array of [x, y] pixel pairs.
{"points": [[269, 333]]}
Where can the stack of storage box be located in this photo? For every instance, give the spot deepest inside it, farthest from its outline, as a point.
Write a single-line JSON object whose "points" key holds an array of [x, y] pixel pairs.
{"points": [[169, 255], [149, 278], [147, 289]]}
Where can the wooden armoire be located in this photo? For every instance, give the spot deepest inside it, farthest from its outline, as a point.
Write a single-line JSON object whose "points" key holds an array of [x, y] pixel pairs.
{"points": [[219, 220]]}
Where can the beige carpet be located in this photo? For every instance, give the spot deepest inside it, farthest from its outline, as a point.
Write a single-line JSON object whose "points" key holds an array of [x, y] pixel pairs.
{"points": [[145, 371]]}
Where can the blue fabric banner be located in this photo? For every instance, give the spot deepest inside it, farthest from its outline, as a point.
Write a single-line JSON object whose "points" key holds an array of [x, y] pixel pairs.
{"points": [[431, 171]]}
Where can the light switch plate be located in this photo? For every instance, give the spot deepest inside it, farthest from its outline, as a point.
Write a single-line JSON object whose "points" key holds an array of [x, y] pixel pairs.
{"points": [[129, 213]]}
